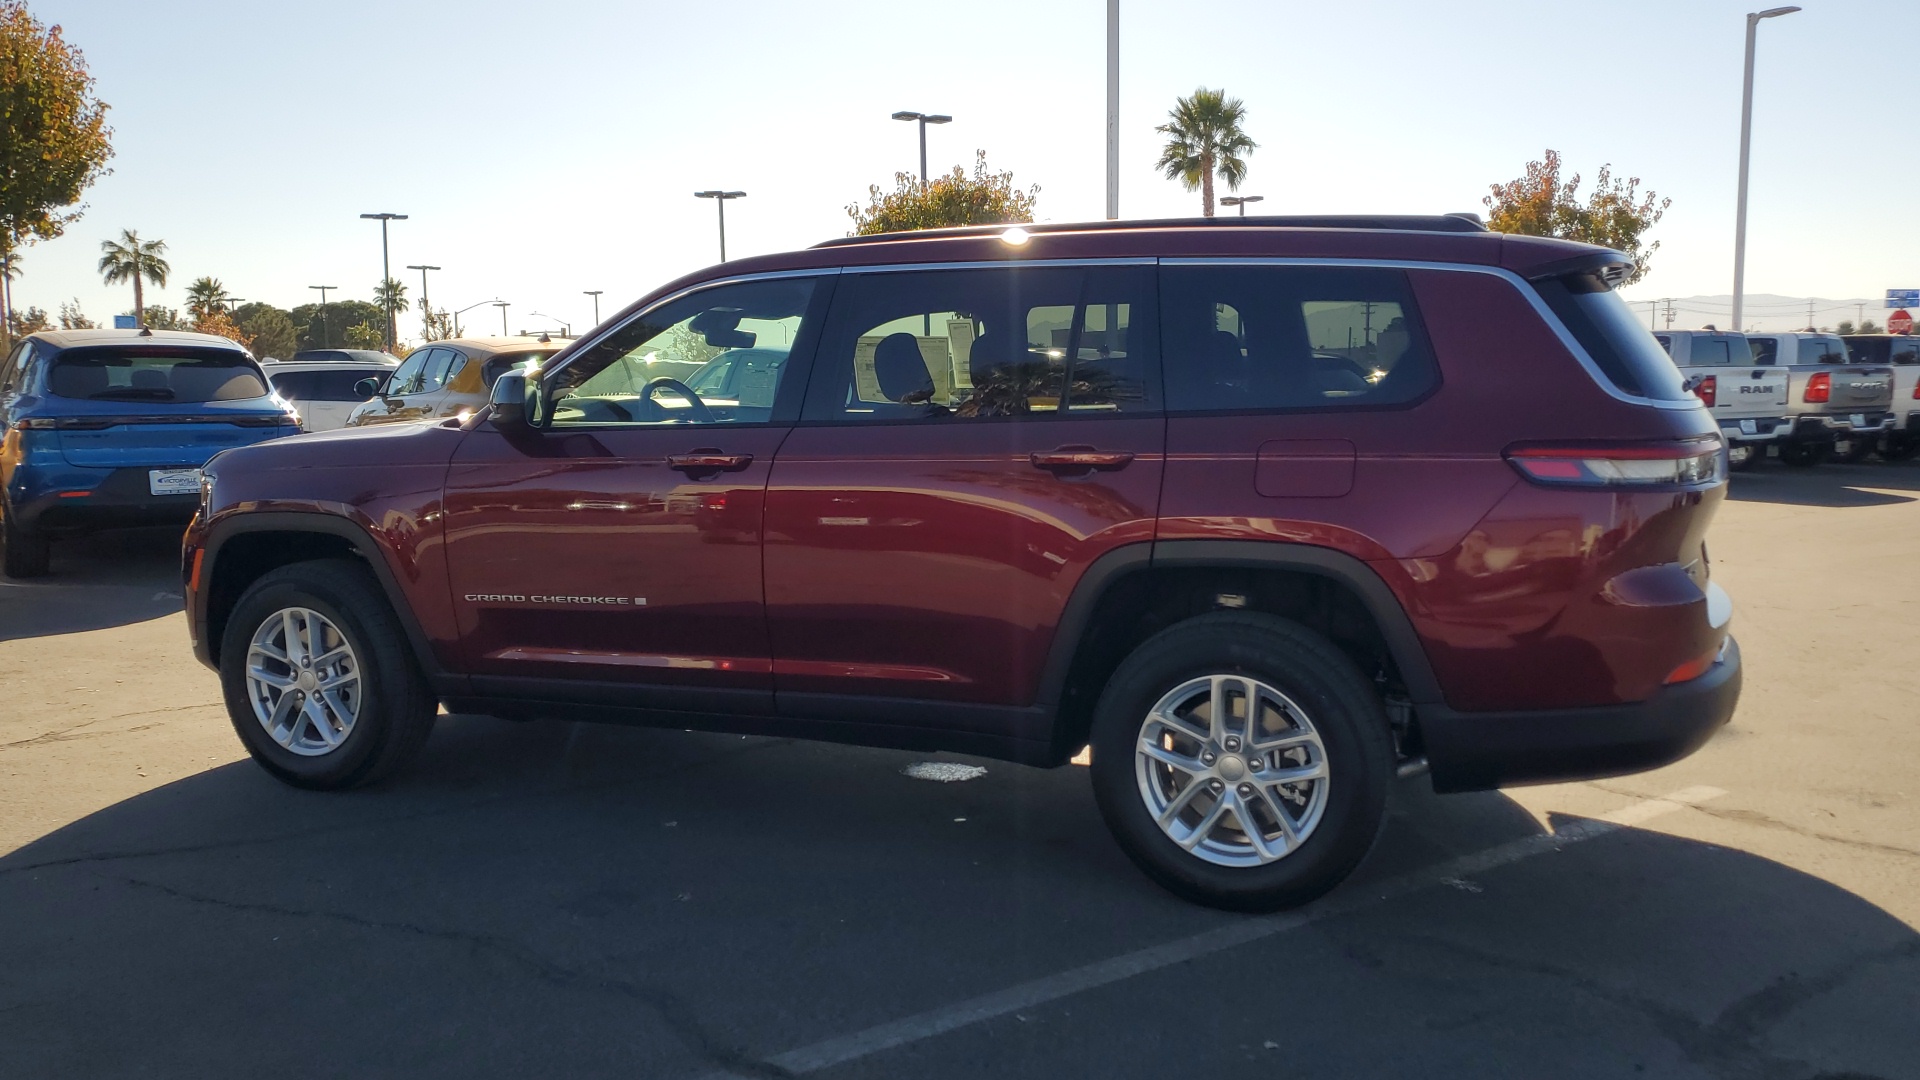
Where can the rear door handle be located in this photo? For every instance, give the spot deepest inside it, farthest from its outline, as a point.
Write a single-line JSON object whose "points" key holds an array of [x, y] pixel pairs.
{"points": [[1081, 457], [705, 460]]}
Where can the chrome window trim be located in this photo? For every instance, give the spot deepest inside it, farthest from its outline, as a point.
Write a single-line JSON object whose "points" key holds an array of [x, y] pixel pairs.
{"points": [[585, 344], [1518, 283]]}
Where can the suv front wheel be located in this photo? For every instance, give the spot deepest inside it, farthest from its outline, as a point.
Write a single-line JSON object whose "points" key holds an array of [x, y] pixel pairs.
{"points": [[319, 680], [1242, 761]]}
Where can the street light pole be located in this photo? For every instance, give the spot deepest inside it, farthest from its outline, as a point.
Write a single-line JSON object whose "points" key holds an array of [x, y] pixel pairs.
{"points": [[1746, 143], [503, 306], [924, 120], [1241, 201], [721, 197], [595, 293], [426, 308], [386, 275], [326, 336], [1113, 109]]}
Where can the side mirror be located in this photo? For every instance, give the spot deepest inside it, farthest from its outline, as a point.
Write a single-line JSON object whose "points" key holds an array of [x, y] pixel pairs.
{"points": [[366, 388], [515, 402]]}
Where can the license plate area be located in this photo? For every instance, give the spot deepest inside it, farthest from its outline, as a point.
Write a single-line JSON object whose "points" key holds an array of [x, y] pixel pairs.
{"points": [[1749, 427], [173, 481], [1859, 419]]}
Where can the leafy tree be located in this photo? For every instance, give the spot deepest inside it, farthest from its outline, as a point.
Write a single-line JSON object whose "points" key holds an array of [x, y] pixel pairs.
{"points": [[32, 321], [205, 296], [270, 330], [53, 133], [161, 317], [1868, 326], [9, 273], [985, 198], [330, 333], [133, 259], [1616, 215], [1845, 327], [1204, 140], [367, 335], [435, 325], [217, 321], [72, 318]]}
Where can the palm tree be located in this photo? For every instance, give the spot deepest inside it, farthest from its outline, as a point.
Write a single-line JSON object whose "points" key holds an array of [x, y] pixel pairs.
{"points": [[131, 258], [391, 296], [1205, 141], [205, 296]]}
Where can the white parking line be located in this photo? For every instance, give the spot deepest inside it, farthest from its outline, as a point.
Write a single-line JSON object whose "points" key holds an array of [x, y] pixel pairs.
{"points": [[860, 1044]]}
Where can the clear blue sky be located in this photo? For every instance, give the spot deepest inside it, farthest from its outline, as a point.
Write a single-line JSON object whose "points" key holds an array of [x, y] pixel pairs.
{"points": [[544, 149]]}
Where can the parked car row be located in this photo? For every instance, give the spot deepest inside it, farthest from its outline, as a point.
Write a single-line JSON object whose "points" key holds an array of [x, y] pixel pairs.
{"points": [[1807, 397]]}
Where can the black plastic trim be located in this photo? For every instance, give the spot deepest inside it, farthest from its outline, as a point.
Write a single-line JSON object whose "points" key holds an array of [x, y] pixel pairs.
{"points": [[1478, 751], [653, 697], [1072, 627], [223, 530]]}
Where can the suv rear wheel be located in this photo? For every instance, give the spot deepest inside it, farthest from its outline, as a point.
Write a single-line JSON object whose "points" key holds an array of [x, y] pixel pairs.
{"points": [[319, 680], [1242, 761], [27, 553]]}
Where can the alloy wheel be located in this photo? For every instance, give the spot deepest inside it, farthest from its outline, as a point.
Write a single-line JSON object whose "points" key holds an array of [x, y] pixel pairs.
{"points": [[303, 681], [1232, 770]]}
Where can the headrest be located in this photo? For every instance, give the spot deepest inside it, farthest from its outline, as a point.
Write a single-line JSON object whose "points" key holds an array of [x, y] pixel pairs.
{"points": [[899, 368]]}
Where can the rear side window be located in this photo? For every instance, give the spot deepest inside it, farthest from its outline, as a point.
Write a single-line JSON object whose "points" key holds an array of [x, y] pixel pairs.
{"points": [[1243, 338], [155, 374], [1905, 351], [1621, 346], [1822, 351], [502, 363], [957, 345], [1766, 351], [1720, 352], [325, 385]]}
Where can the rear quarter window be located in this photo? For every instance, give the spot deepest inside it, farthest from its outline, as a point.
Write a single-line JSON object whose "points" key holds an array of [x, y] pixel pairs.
{"points": [[325, 385], [1621, 347], [1241, 338], [155, 374]]}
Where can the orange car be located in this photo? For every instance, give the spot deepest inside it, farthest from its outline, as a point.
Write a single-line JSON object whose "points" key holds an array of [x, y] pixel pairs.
{"points": [[446, 378]]}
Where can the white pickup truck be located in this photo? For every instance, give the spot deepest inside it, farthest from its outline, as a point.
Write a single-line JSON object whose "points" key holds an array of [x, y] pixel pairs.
{"points": [[1748, 401], [1902, 353], [1840, 409]]}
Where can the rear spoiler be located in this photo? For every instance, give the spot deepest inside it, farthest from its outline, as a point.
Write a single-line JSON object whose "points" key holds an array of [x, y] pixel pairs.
{"points": [[1612, 267]]}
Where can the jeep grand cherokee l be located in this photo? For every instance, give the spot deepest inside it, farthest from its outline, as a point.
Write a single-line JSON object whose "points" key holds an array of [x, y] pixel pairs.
{"points": [[1264, 511]]}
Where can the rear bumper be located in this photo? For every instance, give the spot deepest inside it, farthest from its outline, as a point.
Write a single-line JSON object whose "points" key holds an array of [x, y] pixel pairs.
{"points": [[113, 498], [1765, 429], [1477, 751], [1842, 424]]}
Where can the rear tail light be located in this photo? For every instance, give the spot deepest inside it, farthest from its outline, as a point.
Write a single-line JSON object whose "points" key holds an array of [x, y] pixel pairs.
{"points": [[1695, 667], [1707, 388], [1690, 463], [1916, 391], [1819, 388]]}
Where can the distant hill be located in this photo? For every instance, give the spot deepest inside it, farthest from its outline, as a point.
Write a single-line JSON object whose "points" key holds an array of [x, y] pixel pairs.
{"points": [[1764, 311]]}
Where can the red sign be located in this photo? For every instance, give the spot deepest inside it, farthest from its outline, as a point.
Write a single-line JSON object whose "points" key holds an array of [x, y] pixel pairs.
{"points": [[1900, 322]]}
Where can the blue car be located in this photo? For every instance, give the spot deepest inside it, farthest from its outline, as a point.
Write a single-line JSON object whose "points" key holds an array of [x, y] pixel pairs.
{"points": [[108, 428]]}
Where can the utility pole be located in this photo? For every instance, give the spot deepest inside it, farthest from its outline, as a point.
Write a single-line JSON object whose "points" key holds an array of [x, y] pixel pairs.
{"points": [[386, 275], [720, 198], [1669, 313], [503, 306], [1810, 328], [1113, 109], [1746, 143], [326, 336]]}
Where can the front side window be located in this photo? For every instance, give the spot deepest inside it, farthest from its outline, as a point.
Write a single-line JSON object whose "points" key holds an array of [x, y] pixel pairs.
{"points": [[1291, 337], [981, 344], [434, 375], [406, 378], [734, 340], [156, 373]]}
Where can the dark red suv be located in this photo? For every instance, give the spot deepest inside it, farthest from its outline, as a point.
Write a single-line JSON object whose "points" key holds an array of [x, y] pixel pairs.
{"points": [[1265, 511]]}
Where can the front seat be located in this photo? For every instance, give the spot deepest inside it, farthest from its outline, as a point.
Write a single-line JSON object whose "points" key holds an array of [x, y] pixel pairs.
{"points": [[901, 371]]}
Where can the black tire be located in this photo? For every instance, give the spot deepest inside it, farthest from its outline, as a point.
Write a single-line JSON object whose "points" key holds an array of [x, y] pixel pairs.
{"points": [[1341, 705], [1744, 456], [27, 553], [1900, 448], [396, 709], [1802, 455], [1858, 450]]}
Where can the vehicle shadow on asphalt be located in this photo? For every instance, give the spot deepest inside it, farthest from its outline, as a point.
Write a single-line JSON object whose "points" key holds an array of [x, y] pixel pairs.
{"points": [[100, 581], [1869, 484], [560, 899]]}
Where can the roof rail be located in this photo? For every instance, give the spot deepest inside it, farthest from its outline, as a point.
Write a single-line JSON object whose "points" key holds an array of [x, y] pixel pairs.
{"points": [[1452, 223]]}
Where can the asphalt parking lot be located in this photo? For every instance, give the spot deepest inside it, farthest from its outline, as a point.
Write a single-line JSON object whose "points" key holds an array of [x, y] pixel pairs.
{"points": [[554, 899]]}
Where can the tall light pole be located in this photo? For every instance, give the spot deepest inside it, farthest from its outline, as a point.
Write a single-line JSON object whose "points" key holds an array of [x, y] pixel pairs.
{"points": [[386, 275], [326, 337], [595, 293], [1241, 201], [924, 120], [1746, 143], [720, 198], [464, 310], [503, 306], [1113, 109], [426, 309]]}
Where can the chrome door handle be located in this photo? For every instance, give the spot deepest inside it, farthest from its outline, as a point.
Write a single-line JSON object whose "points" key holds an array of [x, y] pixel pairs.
{"points": [[709, 461], [1081, 457]]}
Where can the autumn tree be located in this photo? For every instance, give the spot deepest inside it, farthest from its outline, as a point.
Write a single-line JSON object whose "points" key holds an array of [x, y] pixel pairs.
{"points": [[954, 198], [217, 321], [53, 132], [31, 321], [1205, 140], [1616, 215]]}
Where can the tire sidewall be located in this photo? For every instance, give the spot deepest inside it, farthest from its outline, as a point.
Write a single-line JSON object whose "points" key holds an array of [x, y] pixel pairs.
{"points": [[352, 759], [1339, 703]]}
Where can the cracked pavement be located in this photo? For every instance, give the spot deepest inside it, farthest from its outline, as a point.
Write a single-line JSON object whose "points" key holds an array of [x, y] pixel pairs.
{"points": [[558, 899]]}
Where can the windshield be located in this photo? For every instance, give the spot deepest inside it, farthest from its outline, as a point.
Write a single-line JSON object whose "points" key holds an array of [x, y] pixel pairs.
{"points": [[156, 374]]}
